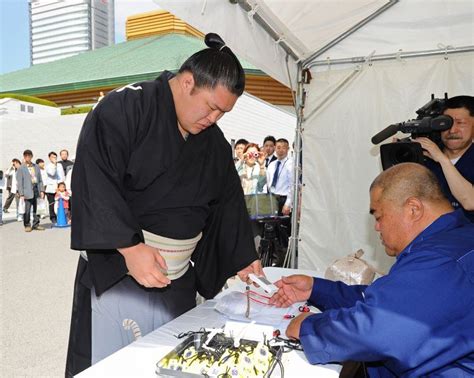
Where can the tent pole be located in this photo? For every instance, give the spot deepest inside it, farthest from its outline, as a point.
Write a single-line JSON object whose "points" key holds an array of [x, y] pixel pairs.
{"points": [[271, 30], [347, 33], [291, 260], [393, 56]]}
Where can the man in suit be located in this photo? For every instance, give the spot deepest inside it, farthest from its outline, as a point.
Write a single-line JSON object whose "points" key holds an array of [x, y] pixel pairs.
{"points": [[30, 187], [269, 148]]}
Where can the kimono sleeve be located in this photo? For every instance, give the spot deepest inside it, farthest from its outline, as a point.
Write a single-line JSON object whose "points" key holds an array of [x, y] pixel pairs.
{"points": [[227, 245], [102, 217]]}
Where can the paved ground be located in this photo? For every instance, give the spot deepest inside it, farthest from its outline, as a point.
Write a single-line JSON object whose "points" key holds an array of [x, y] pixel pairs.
{"points": [[36, 282]]}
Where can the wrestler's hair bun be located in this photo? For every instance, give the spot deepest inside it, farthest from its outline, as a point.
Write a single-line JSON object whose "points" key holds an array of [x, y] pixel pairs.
{"points": [[214, 41]]}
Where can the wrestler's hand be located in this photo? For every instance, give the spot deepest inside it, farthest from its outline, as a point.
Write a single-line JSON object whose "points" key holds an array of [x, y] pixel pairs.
{"points": [[431, 149], [255, 268], [286, 210], [146, 265], [293, 330], [292, 289]]}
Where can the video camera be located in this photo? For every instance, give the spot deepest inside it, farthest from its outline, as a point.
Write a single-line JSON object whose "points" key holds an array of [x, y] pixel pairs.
{"points": [[429, 123]]}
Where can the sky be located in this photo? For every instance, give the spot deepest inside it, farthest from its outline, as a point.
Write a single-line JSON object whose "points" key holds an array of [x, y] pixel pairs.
{"points": [[14, 29]]}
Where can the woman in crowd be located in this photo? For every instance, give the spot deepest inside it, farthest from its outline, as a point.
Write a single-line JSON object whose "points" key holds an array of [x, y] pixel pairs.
{"points": [[252, 173]]}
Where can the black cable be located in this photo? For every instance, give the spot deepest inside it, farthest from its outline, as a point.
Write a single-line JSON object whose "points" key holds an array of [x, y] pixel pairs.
{"points": [[290, 344]]}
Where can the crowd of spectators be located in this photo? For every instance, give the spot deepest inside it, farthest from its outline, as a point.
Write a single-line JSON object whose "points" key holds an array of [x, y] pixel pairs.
{"points": [[38, 188], [266, 169], [266, 174]]}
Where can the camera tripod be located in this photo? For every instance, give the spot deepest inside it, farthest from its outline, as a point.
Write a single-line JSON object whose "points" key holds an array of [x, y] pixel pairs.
{"points": [[274, 241]]}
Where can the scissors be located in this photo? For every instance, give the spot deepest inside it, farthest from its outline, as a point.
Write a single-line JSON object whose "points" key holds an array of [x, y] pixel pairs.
{"points": [[303, 308]]}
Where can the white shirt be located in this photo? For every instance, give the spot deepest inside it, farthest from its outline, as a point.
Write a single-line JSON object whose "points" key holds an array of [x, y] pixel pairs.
{"points": [[455, 160], [55, 174], [284, 185], [12, 172], [268, 158]]}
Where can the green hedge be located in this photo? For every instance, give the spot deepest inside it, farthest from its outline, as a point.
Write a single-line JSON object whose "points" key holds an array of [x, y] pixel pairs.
{"points": [[26, 98], [76, 110]]}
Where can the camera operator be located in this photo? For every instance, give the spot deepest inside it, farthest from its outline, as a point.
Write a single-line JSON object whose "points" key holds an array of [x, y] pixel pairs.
{"points": [[454, 165]]}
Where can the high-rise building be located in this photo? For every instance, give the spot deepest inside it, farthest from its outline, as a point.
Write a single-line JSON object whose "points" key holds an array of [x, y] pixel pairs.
{"points": [[62, 28]]}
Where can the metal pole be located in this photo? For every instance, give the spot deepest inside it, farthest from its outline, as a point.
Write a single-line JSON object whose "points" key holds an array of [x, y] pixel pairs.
{"points": [[275, 34], [393, 56], [291, 260], [347, 33]]}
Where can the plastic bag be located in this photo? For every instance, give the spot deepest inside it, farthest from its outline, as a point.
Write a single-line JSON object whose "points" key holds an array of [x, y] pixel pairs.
{"points": [[352, 270], [42, 207], [234, 306], [21, 206]]}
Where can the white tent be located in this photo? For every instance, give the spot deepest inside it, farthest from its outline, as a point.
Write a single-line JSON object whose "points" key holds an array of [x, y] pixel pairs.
{"points": [[373, 63]]}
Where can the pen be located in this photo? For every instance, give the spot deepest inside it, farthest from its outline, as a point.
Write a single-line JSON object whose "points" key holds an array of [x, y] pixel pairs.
{"points": [[247, 313]]}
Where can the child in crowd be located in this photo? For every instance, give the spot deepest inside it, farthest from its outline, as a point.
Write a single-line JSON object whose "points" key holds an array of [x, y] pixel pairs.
{"points": [[62, 193]]}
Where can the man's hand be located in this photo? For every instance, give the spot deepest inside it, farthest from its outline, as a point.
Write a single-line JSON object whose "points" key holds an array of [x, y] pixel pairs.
{"points": [[292, 289], [431, 149], [146, 265], [286, 210], [42, 195], [255, 268], [293, 330]]}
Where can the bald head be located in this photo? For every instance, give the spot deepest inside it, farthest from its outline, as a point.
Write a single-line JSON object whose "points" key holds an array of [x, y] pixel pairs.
{"points": [[404, 200], [407, 180]]}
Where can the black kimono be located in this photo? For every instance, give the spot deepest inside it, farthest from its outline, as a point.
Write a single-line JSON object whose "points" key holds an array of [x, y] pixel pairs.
{"points": [[134, 171]]}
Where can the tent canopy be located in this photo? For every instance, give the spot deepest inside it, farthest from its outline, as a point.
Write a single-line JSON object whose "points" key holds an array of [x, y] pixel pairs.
{"points": [[373, 63], [306, 30]]}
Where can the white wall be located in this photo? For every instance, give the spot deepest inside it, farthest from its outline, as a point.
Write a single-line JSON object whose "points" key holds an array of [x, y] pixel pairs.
{"points": [[40, 135], [254, 119], [11, 108], [251, 118]]}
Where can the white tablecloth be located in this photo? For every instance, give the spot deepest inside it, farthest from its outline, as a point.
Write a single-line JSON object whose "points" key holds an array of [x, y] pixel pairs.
{"points": [[139, 358]]}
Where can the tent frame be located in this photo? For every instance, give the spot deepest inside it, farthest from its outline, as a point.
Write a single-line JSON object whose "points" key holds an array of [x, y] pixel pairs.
{"points": [[303, 77], [399, 55]]}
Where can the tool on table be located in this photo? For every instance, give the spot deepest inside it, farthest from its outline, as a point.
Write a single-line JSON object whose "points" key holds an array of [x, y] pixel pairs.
{"points": [[247, 312]]}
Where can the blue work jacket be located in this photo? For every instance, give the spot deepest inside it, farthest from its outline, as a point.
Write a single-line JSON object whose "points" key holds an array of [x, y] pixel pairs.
{"points": [[418, 320]]}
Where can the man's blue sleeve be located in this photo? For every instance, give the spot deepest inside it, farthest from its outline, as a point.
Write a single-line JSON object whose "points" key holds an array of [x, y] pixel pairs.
{"points": [[399, 313], [327, 295]]}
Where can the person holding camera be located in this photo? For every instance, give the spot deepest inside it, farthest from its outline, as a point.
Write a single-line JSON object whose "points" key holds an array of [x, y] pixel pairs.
{"points": [[454, 164], [252, 173]]}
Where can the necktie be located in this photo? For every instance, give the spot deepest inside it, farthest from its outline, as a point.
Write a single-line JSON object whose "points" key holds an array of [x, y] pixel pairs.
{"points": [[275, 175]]}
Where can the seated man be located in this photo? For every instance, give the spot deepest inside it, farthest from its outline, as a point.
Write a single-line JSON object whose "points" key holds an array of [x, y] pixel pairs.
{"points": [[419, 319]]}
